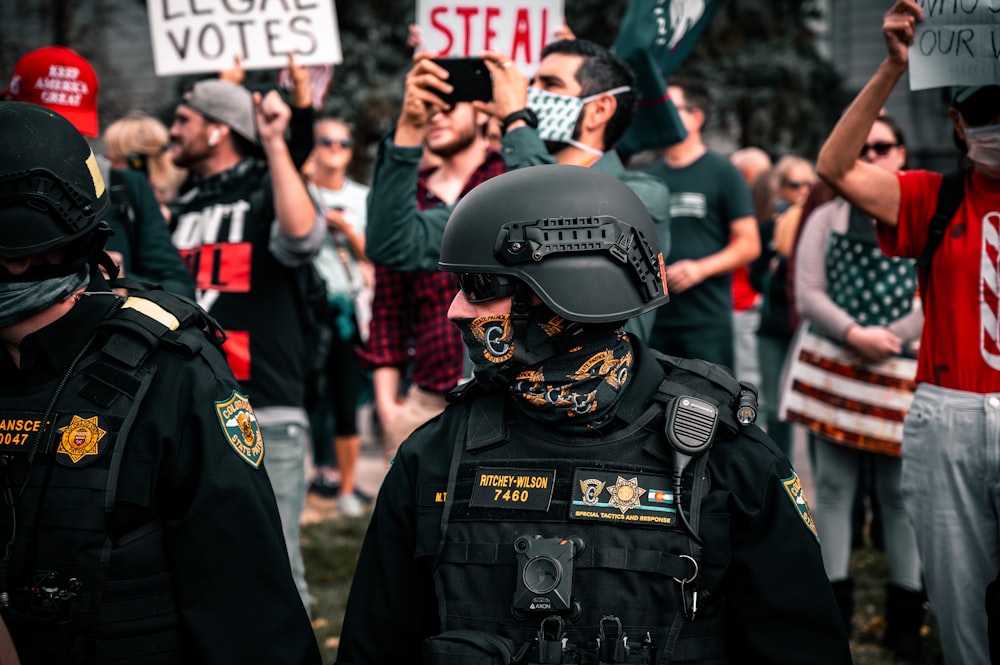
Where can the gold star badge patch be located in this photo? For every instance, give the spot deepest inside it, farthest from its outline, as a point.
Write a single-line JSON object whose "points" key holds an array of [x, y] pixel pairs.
{"points": [[80, 438], [625, 494]]}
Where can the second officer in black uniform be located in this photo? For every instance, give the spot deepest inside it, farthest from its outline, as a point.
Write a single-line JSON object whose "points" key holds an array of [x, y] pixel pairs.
{"points": [[584, 499], [138, 524]]}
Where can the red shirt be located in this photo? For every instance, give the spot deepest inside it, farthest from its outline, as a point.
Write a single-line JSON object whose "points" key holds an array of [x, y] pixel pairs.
{"points": [[960, 345], [744, 295]]}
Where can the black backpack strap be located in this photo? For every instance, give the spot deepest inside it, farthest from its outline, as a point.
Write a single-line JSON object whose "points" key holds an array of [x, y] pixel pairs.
{"points": [[950, 195]]}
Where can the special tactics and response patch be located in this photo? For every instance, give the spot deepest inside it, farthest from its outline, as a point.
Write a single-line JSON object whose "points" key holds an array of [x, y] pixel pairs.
{"points": [[793, 487], [239, 424], [619, 496], [80, 438]]}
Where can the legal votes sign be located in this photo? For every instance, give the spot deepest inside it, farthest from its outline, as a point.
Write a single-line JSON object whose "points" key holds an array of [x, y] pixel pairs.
{"points": [[518, 28], [194, 36]]}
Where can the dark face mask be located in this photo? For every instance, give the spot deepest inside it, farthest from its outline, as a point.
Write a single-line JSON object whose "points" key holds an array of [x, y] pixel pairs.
{"points": [[22, 299]]}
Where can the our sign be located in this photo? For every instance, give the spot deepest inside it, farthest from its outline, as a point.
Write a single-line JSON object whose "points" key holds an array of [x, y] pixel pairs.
{"points": [[194, 36], [519, 28], [957, 43]]}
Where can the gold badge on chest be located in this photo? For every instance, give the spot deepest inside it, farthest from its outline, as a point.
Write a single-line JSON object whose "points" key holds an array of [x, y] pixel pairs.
{"points": [[80, 438]]}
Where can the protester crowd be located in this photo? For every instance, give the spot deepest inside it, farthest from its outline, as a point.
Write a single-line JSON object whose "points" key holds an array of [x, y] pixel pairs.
{"points": [[337, 324]]}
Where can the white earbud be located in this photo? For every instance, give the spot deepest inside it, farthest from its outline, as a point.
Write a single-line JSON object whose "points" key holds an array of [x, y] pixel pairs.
{"points": [[213, 137]]}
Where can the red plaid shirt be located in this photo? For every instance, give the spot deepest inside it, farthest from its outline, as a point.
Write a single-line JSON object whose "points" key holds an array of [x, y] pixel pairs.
{"points": [[410, 310]]}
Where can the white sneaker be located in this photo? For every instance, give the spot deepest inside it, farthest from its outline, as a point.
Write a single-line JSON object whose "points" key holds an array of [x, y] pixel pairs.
{"points": [[350, 506]]}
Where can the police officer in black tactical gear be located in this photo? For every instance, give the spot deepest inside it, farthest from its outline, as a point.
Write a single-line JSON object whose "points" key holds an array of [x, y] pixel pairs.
{"points": [[138, 524], [584, 499]]}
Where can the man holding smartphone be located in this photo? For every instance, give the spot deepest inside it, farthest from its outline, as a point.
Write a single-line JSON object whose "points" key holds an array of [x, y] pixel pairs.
{"points": [[437, 153], [574, 111]]}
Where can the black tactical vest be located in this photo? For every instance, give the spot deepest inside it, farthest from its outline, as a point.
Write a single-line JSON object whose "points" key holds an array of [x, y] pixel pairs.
{"points": [[84, 582], [573, 552]]}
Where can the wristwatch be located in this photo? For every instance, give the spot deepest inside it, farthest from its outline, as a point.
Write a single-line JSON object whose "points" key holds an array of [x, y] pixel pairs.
{"points": [[525, 114]]}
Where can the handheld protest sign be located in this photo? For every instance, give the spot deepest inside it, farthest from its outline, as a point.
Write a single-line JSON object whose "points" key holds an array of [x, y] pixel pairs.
{"points": [[205, 36]]}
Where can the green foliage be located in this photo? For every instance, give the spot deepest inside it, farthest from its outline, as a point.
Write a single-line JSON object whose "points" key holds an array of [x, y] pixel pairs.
{"points": [[771, 87], [759, 59]]}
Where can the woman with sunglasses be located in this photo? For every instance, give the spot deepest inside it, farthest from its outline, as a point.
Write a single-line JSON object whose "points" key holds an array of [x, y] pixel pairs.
{"points": [[951, 435], [872, 321]]}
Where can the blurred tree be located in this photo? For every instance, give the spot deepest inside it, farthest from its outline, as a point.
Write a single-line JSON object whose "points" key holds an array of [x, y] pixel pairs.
{"points": [[759, 59], [771, 87]]}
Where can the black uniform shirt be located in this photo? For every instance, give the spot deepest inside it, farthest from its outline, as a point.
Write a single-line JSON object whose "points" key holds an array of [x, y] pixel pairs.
{"points": [[759, 548], [222, 545]]}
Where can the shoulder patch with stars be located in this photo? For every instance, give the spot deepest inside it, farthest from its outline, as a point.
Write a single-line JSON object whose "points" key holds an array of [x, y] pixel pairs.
{"points": [[80, 440], [793, 487], [239, 425]]}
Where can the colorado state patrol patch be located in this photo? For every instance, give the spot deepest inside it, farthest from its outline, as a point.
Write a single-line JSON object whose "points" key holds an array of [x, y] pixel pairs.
{"points": [[80, 438], [239, 424], [793, 487]]}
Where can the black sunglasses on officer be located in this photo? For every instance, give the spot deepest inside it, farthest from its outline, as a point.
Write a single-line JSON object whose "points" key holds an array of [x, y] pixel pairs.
{"points": [[479, 287]]}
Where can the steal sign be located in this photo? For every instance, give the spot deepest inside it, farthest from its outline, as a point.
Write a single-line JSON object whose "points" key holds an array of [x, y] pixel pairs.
{"points": [[193, 36], [519, 29]]}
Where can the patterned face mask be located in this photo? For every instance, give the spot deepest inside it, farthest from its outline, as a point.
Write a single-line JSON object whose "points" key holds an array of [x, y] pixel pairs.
{"points": [[558, 114], [577, 390]]}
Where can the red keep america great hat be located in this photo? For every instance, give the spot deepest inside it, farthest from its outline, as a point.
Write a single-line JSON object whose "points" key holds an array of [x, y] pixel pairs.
{"points": [[60, 79]]}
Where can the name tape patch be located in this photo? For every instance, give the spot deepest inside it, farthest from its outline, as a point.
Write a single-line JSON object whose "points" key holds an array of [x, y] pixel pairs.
{"points": [[622, 496], [519, 489], [17, 429]]}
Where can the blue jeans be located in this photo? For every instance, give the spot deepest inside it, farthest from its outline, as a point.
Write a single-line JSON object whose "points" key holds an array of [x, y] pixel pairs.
{"points": [[951, 461], [285, 446]]}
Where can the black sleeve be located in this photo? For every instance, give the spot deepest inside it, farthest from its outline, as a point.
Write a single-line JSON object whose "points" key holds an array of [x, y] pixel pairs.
{"points": [[760, 266], [779, 603], [300, 134], [235, 594], [391, 608]]}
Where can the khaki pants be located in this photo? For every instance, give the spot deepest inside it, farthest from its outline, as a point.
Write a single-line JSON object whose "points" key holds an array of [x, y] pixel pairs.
{"points": [[420, 406]]}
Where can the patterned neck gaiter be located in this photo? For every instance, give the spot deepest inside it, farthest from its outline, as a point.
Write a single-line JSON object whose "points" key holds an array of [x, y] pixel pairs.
{"points": [[576, 391]]}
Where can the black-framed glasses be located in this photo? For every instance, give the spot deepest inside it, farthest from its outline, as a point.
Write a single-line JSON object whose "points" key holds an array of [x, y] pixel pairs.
{"points": [[797, 184], [326, 142], [881, 148], [483, 287]]}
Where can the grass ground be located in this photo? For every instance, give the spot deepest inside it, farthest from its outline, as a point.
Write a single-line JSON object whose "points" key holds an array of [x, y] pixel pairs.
{"points": [[331, 549]]}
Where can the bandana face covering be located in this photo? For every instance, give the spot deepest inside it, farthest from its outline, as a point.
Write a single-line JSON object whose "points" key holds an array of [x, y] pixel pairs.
{"points": [[558, 114], [576, 391], [20, 300]]}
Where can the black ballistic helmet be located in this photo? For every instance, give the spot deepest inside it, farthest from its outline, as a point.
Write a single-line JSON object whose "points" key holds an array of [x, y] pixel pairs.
{"points": [[51, 190], [580, 239]]}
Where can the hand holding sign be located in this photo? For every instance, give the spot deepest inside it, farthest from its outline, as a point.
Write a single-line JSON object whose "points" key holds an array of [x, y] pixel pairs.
{"points": [[898, 27]]}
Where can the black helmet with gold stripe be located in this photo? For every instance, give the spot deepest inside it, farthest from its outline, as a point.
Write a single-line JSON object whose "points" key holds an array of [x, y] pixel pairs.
{"points": [[51, 190]]}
